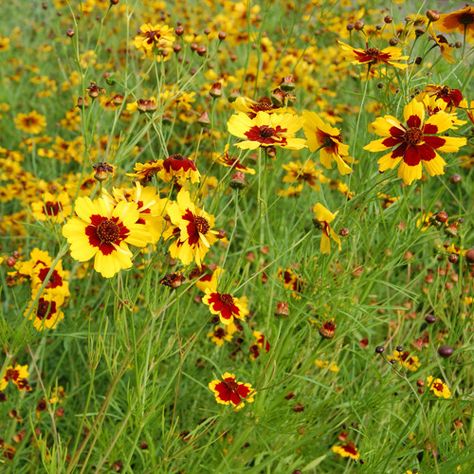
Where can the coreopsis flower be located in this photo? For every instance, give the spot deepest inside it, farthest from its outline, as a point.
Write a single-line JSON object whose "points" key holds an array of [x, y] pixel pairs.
{"points": [[192, 229], [224, 333], [228, 161], [460, 21], [252, 107], [324, 364], [327, 139], [433, 105], [33, 122], [103, 231], [226, 306], [390, 56], [415, 143], [144, 172], [291, 281], [208, 278], [151, 207], [452, 97], [179, 169], [18, 375], [445, 47], [297, 172], [347, 450], [438, 387], [52, 208], [410, 362], [387, 200], [261, 343], [292, 191], [266, 130], [322, 218], [229, 391], [155, 40], [45, 313]]}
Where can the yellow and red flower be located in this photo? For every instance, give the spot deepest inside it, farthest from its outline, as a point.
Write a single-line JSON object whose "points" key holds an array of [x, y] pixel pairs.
{"points": [[144, 172], [33, 122], [179, 169], [155, 40], [224, 333], [261, 343], [266, 130], [347, 450], [322, 218], [226, 306], [228, 161], [52, 208], [229, 391], [102, 231], [297, 172], [460, 21], [192, 229], [327, 139], [415, 143], [46, 312], [410, 362], [18, 375], [438, 387], [373, 57]]}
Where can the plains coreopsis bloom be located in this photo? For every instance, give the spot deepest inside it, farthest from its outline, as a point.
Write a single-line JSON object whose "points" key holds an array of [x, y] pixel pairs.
{"points": [[372, 56], [103, 231], [265, 130], [33, 122], [18, 375], [459, 21], [52, 208], [226, 306], [192, 229], [327, 139], [228, 161], [179, 168], [415, 143], [438, 387], [144, 172], [322, 218], [46, 312], [347, 450], [406, 360], [229, 391], [155, 39]]}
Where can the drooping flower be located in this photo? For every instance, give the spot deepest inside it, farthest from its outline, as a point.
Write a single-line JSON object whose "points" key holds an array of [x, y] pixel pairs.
{"points": [[155, 40], [33, 122], [347, 450], [144, 172], [229, 391], [415, 143], [328, 140], [228, 161], [226, 306], [373, 57], [266, 130], [459, 21], [253, 107], [322, 218], [192, 229], [451, 97], [103, 231], [438, 387], [261, 344]]}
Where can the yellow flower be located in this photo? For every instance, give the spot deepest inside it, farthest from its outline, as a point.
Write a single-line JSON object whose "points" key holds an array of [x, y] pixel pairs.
{"points": [[52, 208], [17, 374], [266, 130], [323, 217], [103, 231], [438, 387], [229, 391], [155, 39], [347, 450], [328, 140], [226, 306], [33, 122], [373, 56]]}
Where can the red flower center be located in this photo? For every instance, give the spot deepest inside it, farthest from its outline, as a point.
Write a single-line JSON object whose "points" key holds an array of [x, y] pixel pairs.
{"points": [[227, 299], [231, 385], [52, 208], [438, 386], [45, 309], [55, 279], [466, 18], [152, 36], [108, 231], [201, 224], [267, 135], [11, 374], [413, 135]]}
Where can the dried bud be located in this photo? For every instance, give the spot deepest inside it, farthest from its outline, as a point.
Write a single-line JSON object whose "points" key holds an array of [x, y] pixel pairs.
{"points": [[393, 41], [282, 309], [102, 170], [216, 90], [388, 19], [287, 83], [432, 15], [328, 329], [344, 232], [179, 30], [82, 103], [173, 280], [359, 25], [233, 95], [379, 350], [114, 2], [470, 256], [70, 32], [146, 105], [204, 119], [453, 258], [222, 35], [238, 180], [442, 216]]}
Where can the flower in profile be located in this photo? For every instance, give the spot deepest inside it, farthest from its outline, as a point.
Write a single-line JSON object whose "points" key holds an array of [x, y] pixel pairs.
{"points": [[261, 343], [144, 172], [390, 56], [346, 450], [18, 375], [208, 277], [451, 97], [52, 208], [179, 169], [438, 387], [327, 139], [322, 218], [266, 130], [410, 362], [458, 21], [415, 143], [192, 229], [102, 231], [46, 312], [155, 40], [226, 306], [33, 122], [229, 391], [433, 105], [228, 161], [252, 107]]}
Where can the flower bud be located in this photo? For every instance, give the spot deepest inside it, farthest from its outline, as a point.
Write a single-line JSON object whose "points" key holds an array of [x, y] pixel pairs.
{"points": [[432, 15]]}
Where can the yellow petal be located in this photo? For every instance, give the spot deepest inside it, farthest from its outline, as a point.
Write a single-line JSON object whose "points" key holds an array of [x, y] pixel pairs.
{"points": [[414, 108], [409, 173], [435, 166], [323, 214]]}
